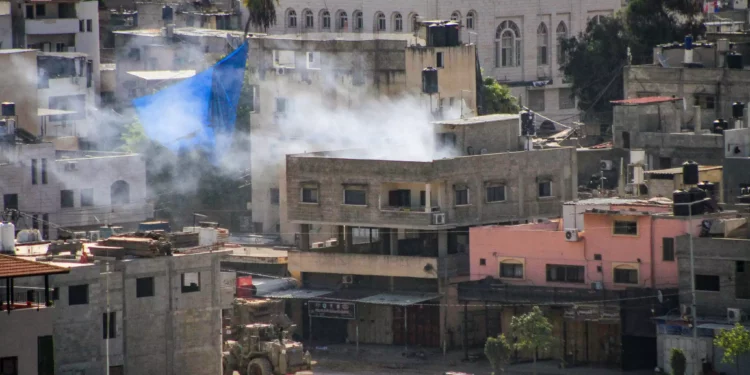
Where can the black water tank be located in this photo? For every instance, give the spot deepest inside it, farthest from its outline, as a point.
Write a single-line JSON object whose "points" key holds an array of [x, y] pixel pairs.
{"points": [[719, 126], [430, 80], [167, 13], [680, 196], [697, 194], [452, 35], [8, 109], [690, 173], [738, 109], [734, 61], [436, 36], [709, 188]]}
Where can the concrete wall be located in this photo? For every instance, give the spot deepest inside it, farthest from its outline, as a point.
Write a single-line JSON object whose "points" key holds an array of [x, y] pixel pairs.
{"points": [[363, 264], [734, 178], [665, 188], [21, 87], [21, 330], [457, 74], [589, 162], [493, 133], [88, 42]]}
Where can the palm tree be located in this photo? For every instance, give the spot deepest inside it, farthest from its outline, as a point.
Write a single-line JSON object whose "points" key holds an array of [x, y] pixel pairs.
{"points": [[262, 13]]}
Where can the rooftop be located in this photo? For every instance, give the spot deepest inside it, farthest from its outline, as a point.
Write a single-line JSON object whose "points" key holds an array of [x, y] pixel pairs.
{"points": [[12, 266], [348, 37], [162, 75], [15, 50], [185, 31], [678, 170], [67, 55], [646, 100], [479, 119], [621, 202]]}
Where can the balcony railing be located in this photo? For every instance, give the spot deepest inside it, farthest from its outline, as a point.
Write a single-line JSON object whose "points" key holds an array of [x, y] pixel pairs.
{"points": [[52, 26], [23, 298]]}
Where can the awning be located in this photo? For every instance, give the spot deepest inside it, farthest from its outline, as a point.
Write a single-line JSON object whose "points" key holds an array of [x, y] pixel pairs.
{"points": [[162, 75], [43, 112], [399, 299], [295, 294]]}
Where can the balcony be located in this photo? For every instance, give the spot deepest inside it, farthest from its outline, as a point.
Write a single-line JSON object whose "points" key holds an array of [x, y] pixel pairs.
{"points": [[52, 26], [379, 265]]}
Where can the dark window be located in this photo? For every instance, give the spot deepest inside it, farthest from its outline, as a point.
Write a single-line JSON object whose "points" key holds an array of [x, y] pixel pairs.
{"points": [[597, 256], [144, 287], [355, 197], [78, 294], [44, 171], [119, 192], [742, 280], [274, 196], [482, 262], [709, 283], [109, 326], [627, 228], [191, 282], [35, 221], [89, 25], [439, 61], [545, 189], [41, 10], [33, 171], [495, 193], [135, 54], [81, 26], [626, 276], [45, 354], [740, 266], [399, 198], [10, 201], [423, 198], [511, 270], [448, 139], [30, 12], [55, 293], [665, 163], [87, 197], [567, 274], [462, 196], [66, 199], [625, 140], [280, 105], [667, 244], [45, 226], [599, 269], [9, 366], [310, 195]]}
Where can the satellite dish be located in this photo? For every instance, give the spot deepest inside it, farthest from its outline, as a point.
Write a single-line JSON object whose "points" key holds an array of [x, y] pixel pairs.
{"points": [[660, 296]]}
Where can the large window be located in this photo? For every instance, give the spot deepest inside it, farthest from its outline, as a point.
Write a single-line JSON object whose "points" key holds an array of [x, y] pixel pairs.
{"points": [[274, 192], [707, 283], [78, 294], [359, 21], [511, 270], [380, 21], [191, 282], [495, 193], [542, 43], [742, 279], [342, 21], [455, 16], [625, 275], [356, 196], [566, 100], [667, 251], [291, 19], [309, 194], [309, 19], [562, 34], [325, 20], [44, 171], [536, 100], [625, 227], [33, 171], [565, 274], [507, 45], [462, 195], [119, 192], [9, 366], [66, 198], [398, 22], [144, 287]]}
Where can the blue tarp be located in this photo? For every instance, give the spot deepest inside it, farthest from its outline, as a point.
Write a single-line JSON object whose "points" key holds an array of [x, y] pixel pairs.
{"points": [[199, 111]]}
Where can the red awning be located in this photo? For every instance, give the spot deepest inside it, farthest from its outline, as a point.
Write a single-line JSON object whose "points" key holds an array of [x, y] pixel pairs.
{"points": [[646, 100]]}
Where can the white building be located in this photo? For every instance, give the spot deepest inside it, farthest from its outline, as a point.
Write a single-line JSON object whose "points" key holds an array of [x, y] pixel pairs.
{"points": [[516, 40]]}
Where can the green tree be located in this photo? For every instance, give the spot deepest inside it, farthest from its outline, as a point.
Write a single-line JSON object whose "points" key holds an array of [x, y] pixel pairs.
{"points": [[498, 350], [677, 361], [533, 332], [735, 343], [497, 98], [261, 13]]}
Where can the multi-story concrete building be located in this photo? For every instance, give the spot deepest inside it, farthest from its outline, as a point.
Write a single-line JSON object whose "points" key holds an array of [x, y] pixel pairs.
{"points": [[517, 42], [736, 163]]}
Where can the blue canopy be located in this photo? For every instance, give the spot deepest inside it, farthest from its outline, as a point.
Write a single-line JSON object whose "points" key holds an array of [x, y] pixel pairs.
{"points": [[199, 111]]}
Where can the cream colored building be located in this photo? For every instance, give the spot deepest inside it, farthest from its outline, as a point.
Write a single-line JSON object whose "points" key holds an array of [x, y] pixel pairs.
{"points": [[663, 182]]}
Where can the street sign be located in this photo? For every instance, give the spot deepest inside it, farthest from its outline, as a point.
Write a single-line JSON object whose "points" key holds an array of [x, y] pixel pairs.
{"points": [[332, 309]]}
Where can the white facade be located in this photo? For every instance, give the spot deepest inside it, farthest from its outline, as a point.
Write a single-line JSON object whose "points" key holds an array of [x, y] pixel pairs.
{"points": [[528, 30]]}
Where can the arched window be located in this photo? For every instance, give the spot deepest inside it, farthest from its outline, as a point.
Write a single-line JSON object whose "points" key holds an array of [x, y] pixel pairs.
{"points": [[309, 19], [291, 19], [596, 20], [359, 22], [542, 44], [379, 21], [119, 193], [470, 20], [325, 20], [507, 45], [562, 33], [414, 22], [455, 16], [398, 22], [342, 21]]}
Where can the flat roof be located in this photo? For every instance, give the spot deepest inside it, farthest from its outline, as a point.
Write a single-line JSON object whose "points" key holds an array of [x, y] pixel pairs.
{"points": [[296, 294], [162, 75], [620, 202], [185, 31], [678, 170], [12, 266], [16, 50], [348, 37], [479, 119], [646, 100], [399, 299]]}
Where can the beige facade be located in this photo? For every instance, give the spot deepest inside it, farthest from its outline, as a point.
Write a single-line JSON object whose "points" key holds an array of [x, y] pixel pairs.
{"points": [[662, 183], [21, 87], [457, 79]]}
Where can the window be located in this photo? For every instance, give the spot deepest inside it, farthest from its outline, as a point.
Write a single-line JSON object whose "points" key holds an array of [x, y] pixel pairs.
{"points": [[455, 16], [511, 270], [81, 27], [496, 193], [30, 12], [309, 19], [482, 262], [359, 22], [542, 43], [707, 283], [78, 294], [135, 54], [565, 274], [33, 171], [399, 198], [566, 100], [470, 17], [109, 325], [325, 20], [596, 20], [191, 282], [667, 251], [625, 228], [144, 287], [626, 276], [35, 221], [415, 22], [9, 366], [665, 162], [119, 192], [280, 105], [10, 201], [343, 21], [398, 22], [562, 34], [705, 101], [462, 196], [536, 100], [447, 139], [89, 25], [625, 139], [379, 21], [742, 280], [507, 45], [545, 189], [597, 256], [274, 196], [291, 19], [45, 226], [355, 196], [66, 199], [310, 194], [41, 10], [44, 171], [439, 60], [87, 197]]}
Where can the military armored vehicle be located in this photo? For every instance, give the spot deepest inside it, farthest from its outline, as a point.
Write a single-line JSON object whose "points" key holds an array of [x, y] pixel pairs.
{"points": [[264, 349]]}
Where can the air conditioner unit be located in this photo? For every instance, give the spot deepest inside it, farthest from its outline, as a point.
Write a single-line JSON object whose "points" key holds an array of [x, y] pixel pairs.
{"points": [[686, 310], [438, 218], [734, 315], [571, 235], [347, 279], [606, 165], [332, 243], [280, 71], [597, 285], [71, 166], [317, 245]]}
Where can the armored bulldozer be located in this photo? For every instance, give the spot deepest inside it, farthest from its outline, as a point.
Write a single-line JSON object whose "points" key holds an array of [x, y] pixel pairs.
{"points": [[264, 349]]}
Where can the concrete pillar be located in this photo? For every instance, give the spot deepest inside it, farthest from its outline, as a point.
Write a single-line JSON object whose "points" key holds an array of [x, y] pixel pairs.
{"points": [[393, 237], [697, 119], [679, 114], [304, 237], [427, 203], [442, 243], [349, 239]]}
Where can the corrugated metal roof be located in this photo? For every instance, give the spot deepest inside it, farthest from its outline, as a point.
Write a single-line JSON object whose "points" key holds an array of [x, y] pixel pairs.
{"points": [[678, 170], [646, 100], [296, 294], [398, 299], [11, 266]]}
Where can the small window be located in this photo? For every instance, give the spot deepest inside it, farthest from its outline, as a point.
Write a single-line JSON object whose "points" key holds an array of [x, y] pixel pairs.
{"points": [[30, 12], [309, 195], [35, 221], [470, 20], [274, 196], [191, 282], [740, 266], [66, 199], [496, 193], [482, 262], [357, 197], [281, 105], [439, 61], [625, 228], [625, 139], [135, 54], [511, 270], [667, 244], [9, 366], [707, 283], [545, 189], [87, 197], [10, 201], [44, 171], [144, 287], [597, 256], [41, 10], [33, 171], [462, 196], [55, 294], [78, 294], [89, 24], [81, 27], [626, 276], [565, 274], [566, 100], [109, 325]]}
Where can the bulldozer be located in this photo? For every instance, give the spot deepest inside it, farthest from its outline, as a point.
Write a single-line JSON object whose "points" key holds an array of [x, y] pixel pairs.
{"points": [[264, 349]]}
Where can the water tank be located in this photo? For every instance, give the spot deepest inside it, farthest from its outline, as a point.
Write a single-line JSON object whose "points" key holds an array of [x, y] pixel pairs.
{"points": [[207, 236], [689, 42], [697, 194], [690, 173], [167, 13], [28, 235], [452, 35], [709, 188], [734, 61], [719, 126], [738, 109], [8, 109], [680, 196], [430, 80], [7, 237], [436, 36]]}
